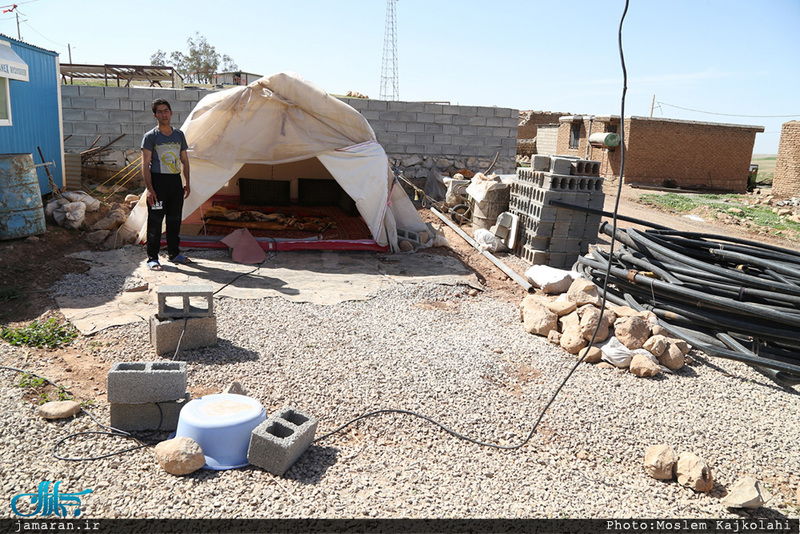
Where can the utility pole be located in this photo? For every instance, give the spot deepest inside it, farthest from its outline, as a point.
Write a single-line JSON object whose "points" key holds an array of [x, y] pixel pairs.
{"points": [[69, 49], [390, 79], [652, 105]]}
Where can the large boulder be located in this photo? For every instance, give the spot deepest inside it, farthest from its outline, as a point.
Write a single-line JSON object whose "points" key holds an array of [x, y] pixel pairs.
{"points": [[643, 366], [180, 456], [59, 409], [590, 317], [656, 345], [583, 291], [672, 357], [632, 331], [536, 318], [561, 306], [659, 462], [593, 354], [693, 472], [746, 493], [572, 340]]}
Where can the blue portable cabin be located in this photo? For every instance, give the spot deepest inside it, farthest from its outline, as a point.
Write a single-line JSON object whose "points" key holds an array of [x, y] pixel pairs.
{"points": [[30, 106]]}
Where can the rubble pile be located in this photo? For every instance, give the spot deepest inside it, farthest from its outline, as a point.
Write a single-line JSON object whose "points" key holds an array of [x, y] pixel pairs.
{"points": [[625, 338]]}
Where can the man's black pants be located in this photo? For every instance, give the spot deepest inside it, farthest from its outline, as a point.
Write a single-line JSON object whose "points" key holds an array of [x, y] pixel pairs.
{"points": [[169, 192]]}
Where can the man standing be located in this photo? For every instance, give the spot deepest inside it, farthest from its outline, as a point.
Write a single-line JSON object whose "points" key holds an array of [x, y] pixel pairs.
{"points": [[163, 156]]}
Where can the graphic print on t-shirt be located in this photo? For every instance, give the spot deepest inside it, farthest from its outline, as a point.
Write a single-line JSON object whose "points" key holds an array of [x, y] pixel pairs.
{"points": [[169, 155]]}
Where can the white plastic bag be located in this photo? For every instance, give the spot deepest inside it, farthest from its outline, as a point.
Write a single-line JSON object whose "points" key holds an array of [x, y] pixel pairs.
{"points": [[488, 241], [617, 354]]}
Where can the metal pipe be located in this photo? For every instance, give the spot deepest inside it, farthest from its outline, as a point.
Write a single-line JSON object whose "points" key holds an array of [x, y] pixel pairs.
{"points": [[500, 265]]}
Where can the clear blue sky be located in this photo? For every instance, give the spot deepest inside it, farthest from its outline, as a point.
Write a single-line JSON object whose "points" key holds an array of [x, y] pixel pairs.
{"points": [[737, 57]]}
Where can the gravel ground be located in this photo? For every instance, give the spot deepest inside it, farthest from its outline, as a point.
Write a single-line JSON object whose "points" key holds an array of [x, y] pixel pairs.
{"points": [[464, 361]]}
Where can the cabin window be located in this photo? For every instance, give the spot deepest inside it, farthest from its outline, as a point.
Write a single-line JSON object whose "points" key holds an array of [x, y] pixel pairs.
{"points": [[5, 103]]}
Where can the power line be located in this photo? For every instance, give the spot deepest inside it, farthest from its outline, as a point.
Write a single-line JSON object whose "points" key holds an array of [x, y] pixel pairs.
{"points": [[731, 114]]}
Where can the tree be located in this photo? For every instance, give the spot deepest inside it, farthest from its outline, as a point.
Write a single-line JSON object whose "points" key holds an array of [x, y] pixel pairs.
{"points": [[200, 64]]}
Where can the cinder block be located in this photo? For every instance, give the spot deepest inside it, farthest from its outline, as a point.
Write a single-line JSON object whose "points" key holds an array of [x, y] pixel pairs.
{"points": [[148, 415], [560, 165], [541, 163], [140, 382], [195, 301], [195, 331], [279, 441]]}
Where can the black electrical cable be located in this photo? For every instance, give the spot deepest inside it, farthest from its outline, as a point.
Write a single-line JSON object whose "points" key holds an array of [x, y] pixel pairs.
{"points": [[110, 431], [602, 304]]}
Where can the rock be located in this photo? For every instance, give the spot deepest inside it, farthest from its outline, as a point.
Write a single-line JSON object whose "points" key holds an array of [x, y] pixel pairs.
{"points": [[561, 307], [782, 212], [624, 311], [605, 365], [472, 292], [405, 246], [656, 345], [735, 211], [693, 472], [131, 199], [572, 340], [746, 493], [551, 280], [583, 291], [659, 462], [554, 337], [424, 237], [113, 220], [632, 331], [681, 344], [59, 409], [590, 316], [658, 330], [235, 388], [32, 239], [537, 319], [180, 456], [672, 357], [593, 354], [97, 237], [571, 320], [642, 366]]}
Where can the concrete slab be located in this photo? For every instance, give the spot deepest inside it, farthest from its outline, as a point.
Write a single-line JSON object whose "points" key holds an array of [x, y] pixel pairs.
{"points": [[318, 277]]}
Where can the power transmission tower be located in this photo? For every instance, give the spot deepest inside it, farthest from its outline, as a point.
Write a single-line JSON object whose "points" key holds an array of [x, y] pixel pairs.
{"points": [[390, 78]]}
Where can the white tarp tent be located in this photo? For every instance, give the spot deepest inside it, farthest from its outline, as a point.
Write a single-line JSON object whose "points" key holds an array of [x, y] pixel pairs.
{"points": [[281, 119]]}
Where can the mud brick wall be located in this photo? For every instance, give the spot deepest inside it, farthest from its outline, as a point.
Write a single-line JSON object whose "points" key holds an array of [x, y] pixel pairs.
{"points": [[688, 154], [786, 182]]}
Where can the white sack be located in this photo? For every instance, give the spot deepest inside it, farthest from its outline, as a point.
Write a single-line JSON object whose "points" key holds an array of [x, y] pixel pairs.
{"points": [[550, 279], [92, 204]]}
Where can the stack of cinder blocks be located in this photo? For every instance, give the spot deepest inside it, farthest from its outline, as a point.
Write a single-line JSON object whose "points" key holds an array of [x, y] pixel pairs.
{"points": [[279, 441], [185, 315], [552, 235], [147, 395]]}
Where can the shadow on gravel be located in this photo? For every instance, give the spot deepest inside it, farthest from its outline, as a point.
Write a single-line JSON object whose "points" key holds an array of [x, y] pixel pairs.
{"points": [[312, 465], [223, 353]]}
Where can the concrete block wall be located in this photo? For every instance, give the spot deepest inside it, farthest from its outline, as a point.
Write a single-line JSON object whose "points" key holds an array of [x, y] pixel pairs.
{"points": [[786, 181], [689, 154], [419, 133], [90, 111]]}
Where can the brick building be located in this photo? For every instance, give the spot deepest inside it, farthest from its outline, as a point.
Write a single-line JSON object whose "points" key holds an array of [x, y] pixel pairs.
{"points": [[528, 129], [786, 182], [666, 152]]}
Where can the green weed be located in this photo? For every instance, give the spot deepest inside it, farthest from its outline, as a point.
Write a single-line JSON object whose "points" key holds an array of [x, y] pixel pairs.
{"points": [[30, 381], [39, 389], [49, 334]]}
